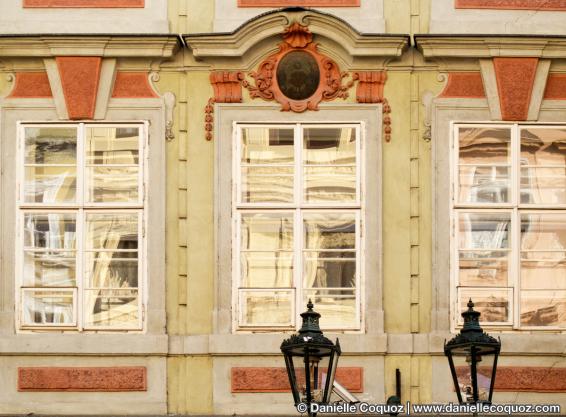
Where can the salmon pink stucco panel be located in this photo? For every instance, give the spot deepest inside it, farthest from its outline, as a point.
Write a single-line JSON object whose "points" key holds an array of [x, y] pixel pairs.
{"points": [[79, 79], [111, 379], [132, 85], [555, 87], [31, 85], [511, 4], [83, 3], [525, 378], [306, 3], [260, 379], [515, 79], [464, 85]]}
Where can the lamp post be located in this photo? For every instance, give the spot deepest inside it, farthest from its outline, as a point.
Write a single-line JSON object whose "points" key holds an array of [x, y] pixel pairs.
{"points": [[472, 355], [311, 360]]}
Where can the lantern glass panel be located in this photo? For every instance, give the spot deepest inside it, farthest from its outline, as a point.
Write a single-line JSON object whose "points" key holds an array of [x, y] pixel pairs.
{"points": [[484, 369], [315, 371]]}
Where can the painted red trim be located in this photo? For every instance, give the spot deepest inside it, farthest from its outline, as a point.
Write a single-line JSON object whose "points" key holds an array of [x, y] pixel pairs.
{"points": [[525, 378], [132, 85], [555, 87], [464, 85], [306, 3], [265, 379], [515, 79], [31, 85], [79, 79], [84, 3], [548, 5], [77, 379], [227, 86]]}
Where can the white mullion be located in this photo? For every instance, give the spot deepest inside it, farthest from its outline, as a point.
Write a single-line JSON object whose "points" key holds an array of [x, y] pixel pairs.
{"points": [[515, 268], [359, 254], [141, 262], [235, 223], [298, 221], [19, 258], [80, 223], [81, 267], [454, 222], [237, 157], [236, 266]]}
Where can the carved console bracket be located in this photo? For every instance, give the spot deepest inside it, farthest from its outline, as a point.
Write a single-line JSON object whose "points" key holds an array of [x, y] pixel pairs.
{"points": [[227, 87], [298, 76], [370, 90]]}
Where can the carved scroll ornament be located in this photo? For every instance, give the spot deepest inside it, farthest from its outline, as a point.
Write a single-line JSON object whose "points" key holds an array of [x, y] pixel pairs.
{"points": [[298, 76]]}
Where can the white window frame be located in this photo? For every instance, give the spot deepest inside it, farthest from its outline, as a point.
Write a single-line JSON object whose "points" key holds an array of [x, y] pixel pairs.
{"points": [[81, 208], [296, 209], [514, 207]]}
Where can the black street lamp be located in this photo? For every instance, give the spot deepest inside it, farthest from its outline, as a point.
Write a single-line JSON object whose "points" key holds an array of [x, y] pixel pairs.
{"points": [[472, 356], [311, 360]]}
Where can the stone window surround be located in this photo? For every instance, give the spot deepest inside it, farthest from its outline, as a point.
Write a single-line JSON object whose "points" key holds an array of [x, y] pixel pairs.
{"points": [[446, 111], [152, 340], [226, 116]]}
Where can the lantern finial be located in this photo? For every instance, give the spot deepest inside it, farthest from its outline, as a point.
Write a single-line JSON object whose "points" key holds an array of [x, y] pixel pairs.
{"points": [[471, 319], [310, 320]]}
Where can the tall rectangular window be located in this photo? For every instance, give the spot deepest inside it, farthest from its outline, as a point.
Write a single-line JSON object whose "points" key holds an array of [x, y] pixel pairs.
{"points": [[509, 223], [297, 210], [80, 232]]}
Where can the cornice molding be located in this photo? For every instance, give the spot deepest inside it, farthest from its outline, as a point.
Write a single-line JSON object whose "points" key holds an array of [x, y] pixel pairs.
{"points": [[115, 46], [234, 45], [475, 46]]}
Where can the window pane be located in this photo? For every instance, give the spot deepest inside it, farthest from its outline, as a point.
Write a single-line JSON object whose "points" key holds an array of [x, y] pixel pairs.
{"points": [[112, 145], [543, 250], [333, 184], [484, 161], [49, 231], [48, 307], [544, 146], [484, 268], [543, 270], [329, 269], [267, 231], [266, 308], [332, 146], [484, 230], [543, 231], [112, 231], [112, 269], [493, 304], [113, 185], [50, 184], [543, 308], [267, 184], [543, 185], [46, 269], [51, 145], [337, 307], [112, 308], [329, 231], [267, 269], [261, 145], [484, 184]]}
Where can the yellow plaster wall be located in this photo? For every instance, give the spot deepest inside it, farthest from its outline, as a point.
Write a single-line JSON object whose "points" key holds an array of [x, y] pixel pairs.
{"points": [[191, 16], [415, 380], [396, 207], [407, 212], [189, 385]]}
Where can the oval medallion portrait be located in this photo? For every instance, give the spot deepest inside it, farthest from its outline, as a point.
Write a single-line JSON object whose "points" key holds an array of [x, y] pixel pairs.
{"points": [[298, 75]]}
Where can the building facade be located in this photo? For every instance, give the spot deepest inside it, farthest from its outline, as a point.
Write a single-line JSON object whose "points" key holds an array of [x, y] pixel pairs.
{"points": [[179, 178]]}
